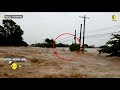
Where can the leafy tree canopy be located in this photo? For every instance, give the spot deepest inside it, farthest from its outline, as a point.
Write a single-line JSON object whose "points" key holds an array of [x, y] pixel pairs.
{"points": [[112, 47], [11, 34]]}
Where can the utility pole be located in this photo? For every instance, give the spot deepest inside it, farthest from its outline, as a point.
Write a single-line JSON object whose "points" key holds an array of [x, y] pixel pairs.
{"points": [[75, 37], [83, 30], [80, 34]]}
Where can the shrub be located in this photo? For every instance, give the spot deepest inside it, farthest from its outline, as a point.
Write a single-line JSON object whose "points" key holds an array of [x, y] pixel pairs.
{"points": [[74, 47]]}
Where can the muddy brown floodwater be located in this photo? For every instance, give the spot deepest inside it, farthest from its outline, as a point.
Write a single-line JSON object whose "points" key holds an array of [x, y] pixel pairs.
{"points": [[43, 63]]}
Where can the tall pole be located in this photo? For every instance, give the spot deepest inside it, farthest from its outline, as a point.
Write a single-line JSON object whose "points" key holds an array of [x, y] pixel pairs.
{"points": [[80, 34], [83, 30], [75, 37], [84, 34]]}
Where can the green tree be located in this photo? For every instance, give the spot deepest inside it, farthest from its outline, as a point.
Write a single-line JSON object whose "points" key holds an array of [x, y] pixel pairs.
{"points": [[49, 43], [11, 34], [112, 46], [47, 40], [86, 45]]}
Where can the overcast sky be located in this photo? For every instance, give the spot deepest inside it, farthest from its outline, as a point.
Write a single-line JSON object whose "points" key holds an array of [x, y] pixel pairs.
{"points": [[40, 25]]}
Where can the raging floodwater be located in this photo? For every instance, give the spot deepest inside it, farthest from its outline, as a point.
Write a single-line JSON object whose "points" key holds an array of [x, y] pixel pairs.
{"points": [[43, 63]]}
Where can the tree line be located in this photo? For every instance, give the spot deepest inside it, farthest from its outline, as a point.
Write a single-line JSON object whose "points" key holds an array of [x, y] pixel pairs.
{"points": [[49, 44]]}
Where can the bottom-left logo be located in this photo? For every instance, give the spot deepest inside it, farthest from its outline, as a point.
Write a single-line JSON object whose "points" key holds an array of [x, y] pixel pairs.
{"points": [[13, 65]]}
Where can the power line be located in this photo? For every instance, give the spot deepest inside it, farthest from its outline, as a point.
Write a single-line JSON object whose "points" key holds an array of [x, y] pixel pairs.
{"points": [[105, 28], [101, 34], [94, 36], [92, 32]]}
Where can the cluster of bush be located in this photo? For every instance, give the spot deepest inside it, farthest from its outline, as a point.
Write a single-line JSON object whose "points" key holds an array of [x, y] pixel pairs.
{"points": [[44, 45], [61, 45], [74, 47]]}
